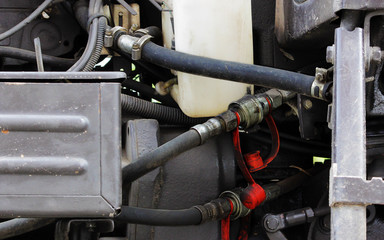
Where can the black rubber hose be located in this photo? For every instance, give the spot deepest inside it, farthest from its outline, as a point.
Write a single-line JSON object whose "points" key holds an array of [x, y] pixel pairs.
{"points": [[232, 71], [152, 69], [162, 113], [30, 56], [19, 226], [92, 38], [275, 190], [81, 13], [155, 32], [160, 217], [148, 91], [160, 155]]}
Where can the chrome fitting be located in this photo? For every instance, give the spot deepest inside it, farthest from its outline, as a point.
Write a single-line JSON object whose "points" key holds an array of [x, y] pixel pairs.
{"points": [[250, 110], [210, 128], [239, 210], [278, 97], [230, 120]]}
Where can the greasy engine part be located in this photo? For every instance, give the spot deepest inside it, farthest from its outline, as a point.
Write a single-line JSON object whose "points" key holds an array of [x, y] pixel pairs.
{"points": [[240, 114], [197, 177], [289, 40], [57, 30]]}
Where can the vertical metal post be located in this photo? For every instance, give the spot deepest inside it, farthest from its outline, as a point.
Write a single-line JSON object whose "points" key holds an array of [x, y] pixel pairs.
{"points": [[348, 219]]}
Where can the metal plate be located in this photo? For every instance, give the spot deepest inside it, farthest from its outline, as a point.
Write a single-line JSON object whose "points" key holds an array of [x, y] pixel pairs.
{"points": [[59, 149]]}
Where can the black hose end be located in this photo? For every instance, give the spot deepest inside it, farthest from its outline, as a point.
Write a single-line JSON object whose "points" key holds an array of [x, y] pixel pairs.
{"points": [[215, 210]]}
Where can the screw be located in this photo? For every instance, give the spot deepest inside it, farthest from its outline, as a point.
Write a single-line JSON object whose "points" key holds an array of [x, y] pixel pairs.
{"points": [[307, 104], [330, 57], [319, 77], [90, 226]]}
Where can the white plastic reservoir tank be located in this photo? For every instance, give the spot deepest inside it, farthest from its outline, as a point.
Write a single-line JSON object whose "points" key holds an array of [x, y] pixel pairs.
{"points": [[220, 29]]}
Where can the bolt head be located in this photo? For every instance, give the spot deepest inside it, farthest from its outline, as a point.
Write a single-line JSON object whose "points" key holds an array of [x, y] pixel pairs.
{"points": [[272, 223], [307, 104]]}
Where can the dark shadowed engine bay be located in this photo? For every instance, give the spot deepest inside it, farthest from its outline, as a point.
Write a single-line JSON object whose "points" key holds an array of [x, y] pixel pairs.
{"points": [[181, 119]]}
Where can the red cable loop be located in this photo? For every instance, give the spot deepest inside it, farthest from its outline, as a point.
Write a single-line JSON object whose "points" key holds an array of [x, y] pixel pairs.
{"points": [[254, 194], [275, 139]]}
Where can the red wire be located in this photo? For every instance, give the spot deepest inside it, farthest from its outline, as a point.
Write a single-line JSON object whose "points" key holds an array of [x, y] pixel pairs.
{"points": [[254, 194], [245, 222], [239, 156], [225, 225], [275, 139]]}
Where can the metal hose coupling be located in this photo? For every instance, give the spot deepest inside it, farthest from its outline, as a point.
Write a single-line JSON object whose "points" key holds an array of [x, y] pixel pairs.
{"points": [[228, 203], [224, 122], [239, 210], [253, 108], [215, 210]]}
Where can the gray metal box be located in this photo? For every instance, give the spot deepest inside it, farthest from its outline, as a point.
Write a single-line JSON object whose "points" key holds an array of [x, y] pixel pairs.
{"points": [[60, 149]]}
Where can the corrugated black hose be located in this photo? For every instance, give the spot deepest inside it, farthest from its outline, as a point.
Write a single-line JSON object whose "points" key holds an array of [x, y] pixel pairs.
{"points": [[170, 115]]}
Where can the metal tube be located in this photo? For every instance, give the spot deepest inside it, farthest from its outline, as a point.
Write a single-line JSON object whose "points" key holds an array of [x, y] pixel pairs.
{"points": [[39, 55]]}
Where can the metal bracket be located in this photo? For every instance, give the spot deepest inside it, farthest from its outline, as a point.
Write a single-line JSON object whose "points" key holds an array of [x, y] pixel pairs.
{"points": [[138, 45], [348, 135], [355, 190]]}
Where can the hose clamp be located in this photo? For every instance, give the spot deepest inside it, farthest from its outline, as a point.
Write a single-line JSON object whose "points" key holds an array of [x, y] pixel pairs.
{"points": [[138, 46], [317, 88]]}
